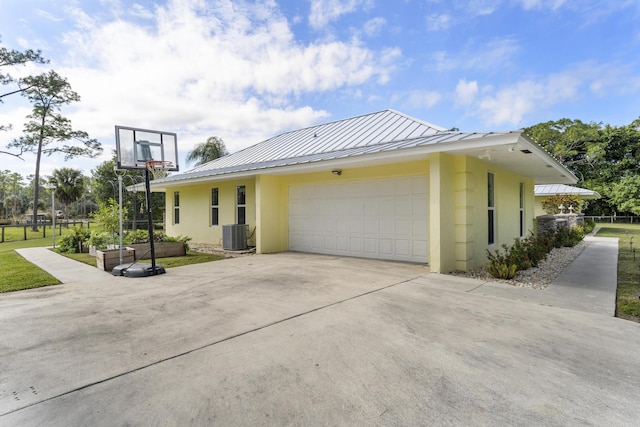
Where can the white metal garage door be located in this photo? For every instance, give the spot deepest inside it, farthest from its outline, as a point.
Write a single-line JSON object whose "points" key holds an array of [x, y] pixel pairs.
{"points": [[382, 218]]}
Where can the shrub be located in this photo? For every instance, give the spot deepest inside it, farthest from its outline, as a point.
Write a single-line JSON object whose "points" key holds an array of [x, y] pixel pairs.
{"points": [[568, 237], [99, 239], [588, 226], [502, 271], [184, 239], [72, 240], [529, 251], [138, 236]]}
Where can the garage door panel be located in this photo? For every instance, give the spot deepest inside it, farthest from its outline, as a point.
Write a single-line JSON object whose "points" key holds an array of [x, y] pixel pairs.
{"points": [[384, 218], [371, 226], [403, 206], [370, 246], [403, 227], [342, 244], [420, 185], [402, 247], [420, 247]]}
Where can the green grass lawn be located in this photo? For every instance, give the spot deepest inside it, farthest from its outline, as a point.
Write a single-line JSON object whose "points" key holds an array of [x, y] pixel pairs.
{"points": [[16, 273], [628, 303]]}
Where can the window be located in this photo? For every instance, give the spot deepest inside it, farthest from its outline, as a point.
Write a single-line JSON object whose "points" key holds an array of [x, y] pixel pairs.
{"points": [[491, 203], [176, 207], [214, 206], [521, 209], [241, 208]]}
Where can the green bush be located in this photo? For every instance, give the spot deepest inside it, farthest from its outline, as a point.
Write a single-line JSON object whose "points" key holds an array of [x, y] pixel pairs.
{"points": [[568, 237], [99, 239], [138, 236], [72, 240], [588, 226], [502, 271], [529, 251], [184, 239]]}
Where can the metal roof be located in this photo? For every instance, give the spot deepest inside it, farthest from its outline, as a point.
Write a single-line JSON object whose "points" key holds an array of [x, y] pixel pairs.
{"points": [[553, 189], [355, 132], [360, 138]]}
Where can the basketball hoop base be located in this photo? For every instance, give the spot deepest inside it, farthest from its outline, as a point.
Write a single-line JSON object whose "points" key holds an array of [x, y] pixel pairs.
{"points": [[137, 269]]}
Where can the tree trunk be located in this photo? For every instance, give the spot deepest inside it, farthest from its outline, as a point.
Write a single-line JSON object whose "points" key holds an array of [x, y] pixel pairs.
{"points": [[36, 184]]}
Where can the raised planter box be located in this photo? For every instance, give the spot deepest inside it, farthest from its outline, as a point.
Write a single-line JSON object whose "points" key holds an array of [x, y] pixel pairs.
{"points": [[162, 249], [108, 259]]}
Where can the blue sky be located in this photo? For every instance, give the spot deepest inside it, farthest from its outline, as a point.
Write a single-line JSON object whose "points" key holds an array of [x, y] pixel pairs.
{"points": [[248, 70]]}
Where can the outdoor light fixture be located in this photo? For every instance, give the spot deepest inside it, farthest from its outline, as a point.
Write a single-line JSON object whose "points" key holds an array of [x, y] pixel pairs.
{"points": [[486, 155], [337, 172]]}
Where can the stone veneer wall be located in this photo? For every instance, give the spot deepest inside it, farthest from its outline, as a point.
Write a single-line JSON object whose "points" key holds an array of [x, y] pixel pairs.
{"points": [[554, 222]]}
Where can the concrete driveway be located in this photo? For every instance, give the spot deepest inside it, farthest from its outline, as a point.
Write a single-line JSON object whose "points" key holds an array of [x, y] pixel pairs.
{"points": [[294, 339]]}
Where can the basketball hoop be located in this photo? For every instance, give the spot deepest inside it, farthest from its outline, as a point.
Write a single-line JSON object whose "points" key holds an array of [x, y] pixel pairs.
{"points": [[158, 168]]}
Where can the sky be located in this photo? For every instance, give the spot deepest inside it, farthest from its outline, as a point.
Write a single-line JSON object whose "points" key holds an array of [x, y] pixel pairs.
{"points": [[245, 71]]}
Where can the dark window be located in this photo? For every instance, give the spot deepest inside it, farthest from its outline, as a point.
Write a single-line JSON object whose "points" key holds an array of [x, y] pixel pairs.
{"points": [[214, 206], [176, 207], [241, 208], [521, 209], [491, 226]]}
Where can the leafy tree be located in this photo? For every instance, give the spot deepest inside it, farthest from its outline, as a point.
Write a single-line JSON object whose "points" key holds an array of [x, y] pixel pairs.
{"points": [[104, 186], [109, 216], [207, 151], [69, 186], [626, 194], [48, 131], [551, 204], [11, 58], [578, 145], [4, 178], [15, 185]]}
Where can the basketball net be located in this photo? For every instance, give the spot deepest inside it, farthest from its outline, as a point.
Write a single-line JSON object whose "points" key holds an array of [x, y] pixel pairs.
{"points": [[158, 168]]}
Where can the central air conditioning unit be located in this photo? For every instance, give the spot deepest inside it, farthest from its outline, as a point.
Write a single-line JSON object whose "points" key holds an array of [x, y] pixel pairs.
{"points": [[234, 237]]}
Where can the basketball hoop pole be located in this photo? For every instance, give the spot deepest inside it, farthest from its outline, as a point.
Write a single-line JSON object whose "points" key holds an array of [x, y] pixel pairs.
{"points": [[150, 221]]}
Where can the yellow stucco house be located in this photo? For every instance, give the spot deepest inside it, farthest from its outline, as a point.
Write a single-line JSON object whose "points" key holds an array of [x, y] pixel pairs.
{"points": [[382, 185]]}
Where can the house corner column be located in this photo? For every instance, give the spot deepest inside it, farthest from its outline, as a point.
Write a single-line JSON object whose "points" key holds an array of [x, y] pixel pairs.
{"points": [[271, 215], [442, 233]]}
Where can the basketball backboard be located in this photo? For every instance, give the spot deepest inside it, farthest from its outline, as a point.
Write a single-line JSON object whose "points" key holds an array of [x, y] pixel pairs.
{"points": [[135, 147]]}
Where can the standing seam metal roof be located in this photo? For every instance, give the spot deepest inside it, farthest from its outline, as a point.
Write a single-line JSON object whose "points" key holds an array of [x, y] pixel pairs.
{"points": [[223, 166], [362, 131]]}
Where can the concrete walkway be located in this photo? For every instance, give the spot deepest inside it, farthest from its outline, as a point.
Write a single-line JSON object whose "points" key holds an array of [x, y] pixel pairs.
{"points": [[589, 284]]}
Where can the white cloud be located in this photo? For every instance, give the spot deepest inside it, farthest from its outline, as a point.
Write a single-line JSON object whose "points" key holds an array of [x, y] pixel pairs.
{"points": [[495, 53], [422, 99], [480, 7], [439, 22], [373, 26], [513, 104], [466, 92], [235, 71], [542, 4], [324, 12]]}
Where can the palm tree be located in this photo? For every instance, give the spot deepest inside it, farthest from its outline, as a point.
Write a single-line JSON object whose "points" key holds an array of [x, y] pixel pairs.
{"points": [[69, 184], [207, 151]]}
